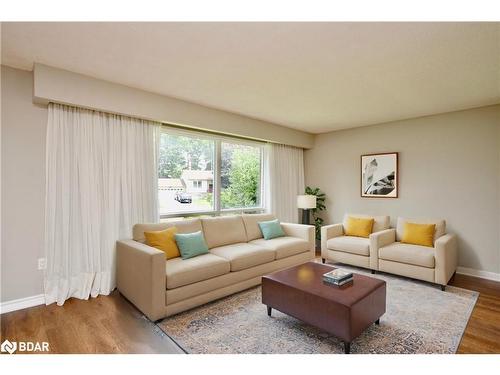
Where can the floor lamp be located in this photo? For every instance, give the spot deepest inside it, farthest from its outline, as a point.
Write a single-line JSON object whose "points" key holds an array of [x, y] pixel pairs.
{"points": [[306, 203]]}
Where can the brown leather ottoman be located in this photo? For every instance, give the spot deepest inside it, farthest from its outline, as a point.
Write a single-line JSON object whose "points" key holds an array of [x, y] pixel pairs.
{"points": [[344, 311]]}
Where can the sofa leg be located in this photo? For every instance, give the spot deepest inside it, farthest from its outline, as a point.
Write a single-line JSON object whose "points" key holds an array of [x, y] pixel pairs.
{"points": [[373, 272], [323, 260], [443, 288]]}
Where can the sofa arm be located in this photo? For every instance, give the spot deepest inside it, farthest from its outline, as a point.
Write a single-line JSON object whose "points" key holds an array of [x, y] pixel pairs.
{"points": [[141, 276], [378, 240], [305, 232], [446, 256], [328, 232]]}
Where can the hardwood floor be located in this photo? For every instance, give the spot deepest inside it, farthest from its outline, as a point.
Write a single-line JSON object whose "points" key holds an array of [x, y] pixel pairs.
{"points": [[111, 324], [106, 324], [482, 334]]}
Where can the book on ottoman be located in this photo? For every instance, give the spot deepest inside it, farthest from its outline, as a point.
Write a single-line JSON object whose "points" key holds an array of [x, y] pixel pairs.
{"points": [[337, 277]]}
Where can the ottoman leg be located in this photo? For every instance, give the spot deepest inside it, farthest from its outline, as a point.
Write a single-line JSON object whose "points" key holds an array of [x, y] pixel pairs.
{"points": [[347, 347], [323, 260], [269, 310], [377, 322], [373, 272]]}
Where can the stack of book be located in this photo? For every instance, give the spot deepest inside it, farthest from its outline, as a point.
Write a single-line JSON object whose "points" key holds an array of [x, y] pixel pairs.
{"points": [[337, 277]]}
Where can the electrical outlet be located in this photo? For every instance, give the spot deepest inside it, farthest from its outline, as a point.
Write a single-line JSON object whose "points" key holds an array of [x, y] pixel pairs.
{"points": [[42, 263]]}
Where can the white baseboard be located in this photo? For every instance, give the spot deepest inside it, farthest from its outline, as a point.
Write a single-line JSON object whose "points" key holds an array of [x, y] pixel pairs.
{"points": [[22, 303], [478, 273]]}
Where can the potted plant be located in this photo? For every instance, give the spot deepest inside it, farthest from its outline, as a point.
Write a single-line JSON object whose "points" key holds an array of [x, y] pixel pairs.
{"points": [[320, 206]]}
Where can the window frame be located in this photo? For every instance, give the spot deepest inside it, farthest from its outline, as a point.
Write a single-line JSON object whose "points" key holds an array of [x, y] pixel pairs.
{"points": [[216, 190]]}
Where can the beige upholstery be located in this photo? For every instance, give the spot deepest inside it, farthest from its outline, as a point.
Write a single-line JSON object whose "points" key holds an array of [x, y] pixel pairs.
{"points": [[183, 226], [191, 290], [180, 272], [422, 256], [284, 246], [347, 258], [407, 270], [379, 223], [446, 258], [140, 276], [386, 253], [349, 244], [251, 222], [224, 230], [161, 288], [334, 243], [440, 226], [244, 255]]}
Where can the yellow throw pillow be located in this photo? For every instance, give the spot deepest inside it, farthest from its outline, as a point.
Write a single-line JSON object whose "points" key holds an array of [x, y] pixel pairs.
{"points": [[419, 234], [164, 240], [359, 227]]}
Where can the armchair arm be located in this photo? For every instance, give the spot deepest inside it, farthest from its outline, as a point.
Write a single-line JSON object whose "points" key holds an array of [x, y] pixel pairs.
{"points": [[378, 240], [141, 276], [446, 256], [327, 232], [306, 232]]}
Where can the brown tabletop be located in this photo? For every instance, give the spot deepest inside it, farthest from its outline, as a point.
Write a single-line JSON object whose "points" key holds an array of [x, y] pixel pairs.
{"points": [[344, 311]]}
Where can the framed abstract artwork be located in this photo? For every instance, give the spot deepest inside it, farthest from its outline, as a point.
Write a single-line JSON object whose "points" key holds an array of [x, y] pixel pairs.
{"points": [[379, 175]]}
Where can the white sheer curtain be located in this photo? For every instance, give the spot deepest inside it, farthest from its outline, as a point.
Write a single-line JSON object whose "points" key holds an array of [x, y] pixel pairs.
{"points": [[101, 180], [285, 180]]}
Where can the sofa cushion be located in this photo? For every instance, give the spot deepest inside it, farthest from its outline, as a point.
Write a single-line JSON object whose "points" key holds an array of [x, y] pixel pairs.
{"points": [[164, 240], [416, 255], [182, 272], [244, 255], [251, 222], [183, 226], [349, 244], [440, 226], [271, 229], [223, 230], [191, 244], [379, 222], [284, 246]]}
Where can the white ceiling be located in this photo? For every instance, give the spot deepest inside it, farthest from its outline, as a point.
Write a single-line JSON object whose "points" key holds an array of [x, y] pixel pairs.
{"points": [[315, 77]]}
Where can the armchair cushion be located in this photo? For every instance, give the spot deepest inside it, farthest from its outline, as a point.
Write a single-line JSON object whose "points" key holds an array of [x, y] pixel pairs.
{"points": [[416, 255], [379, 222], [440, 226], [349, 244], [359, 227]]}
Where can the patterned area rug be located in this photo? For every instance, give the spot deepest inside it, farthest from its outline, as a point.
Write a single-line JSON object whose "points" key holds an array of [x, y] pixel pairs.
{"points": [[420, 318]]}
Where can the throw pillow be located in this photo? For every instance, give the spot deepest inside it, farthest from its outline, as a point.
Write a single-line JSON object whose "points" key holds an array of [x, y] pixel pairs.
{"points": [[359, 227], [191, 244], [419, 234], [164, 240], [271, 229]]}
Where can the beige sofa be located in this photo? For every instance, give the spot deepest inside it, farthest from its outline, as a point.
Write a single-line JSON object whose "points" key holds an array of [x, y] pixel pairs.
{"points": [[387, 254], [237, 259]]}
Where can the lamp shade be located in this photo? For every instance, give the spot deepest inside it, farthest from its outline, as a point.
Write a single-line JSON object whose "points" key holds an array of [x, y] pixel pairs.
{"points": [[306, 201]]}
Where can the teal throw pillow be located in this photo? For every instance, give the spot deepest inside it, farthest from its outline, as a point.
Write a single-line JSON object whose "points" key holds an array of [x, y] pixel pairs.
{"points": [[271, 229], [191, 244]]}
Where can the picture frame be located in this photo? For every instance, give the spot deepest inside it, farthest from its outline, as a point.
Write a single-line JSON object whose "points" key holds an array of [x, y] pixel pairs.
{"points": [[379, 175]]}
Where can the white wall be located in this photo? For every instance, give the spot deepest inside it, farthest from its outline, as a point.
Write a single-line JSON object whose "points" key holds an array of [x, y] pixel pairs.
{"points": [[449, 168], [23, 186]]}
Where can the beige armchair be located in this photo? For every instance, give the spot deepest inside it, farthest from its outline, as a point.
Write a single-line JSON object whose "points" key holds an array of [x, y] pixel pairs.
{"points": [[433, 264], [357, 251]]}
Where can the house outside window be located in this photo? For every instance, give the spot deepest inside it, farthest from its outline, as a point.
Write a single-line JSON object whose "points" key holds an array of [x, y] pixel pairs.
{"points": [[203, 174]]}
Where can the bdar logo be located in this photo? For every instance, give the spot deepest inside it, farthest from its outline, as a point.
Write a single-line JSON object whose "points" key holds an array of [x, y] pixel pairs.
{"points": [[9, 347]]}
